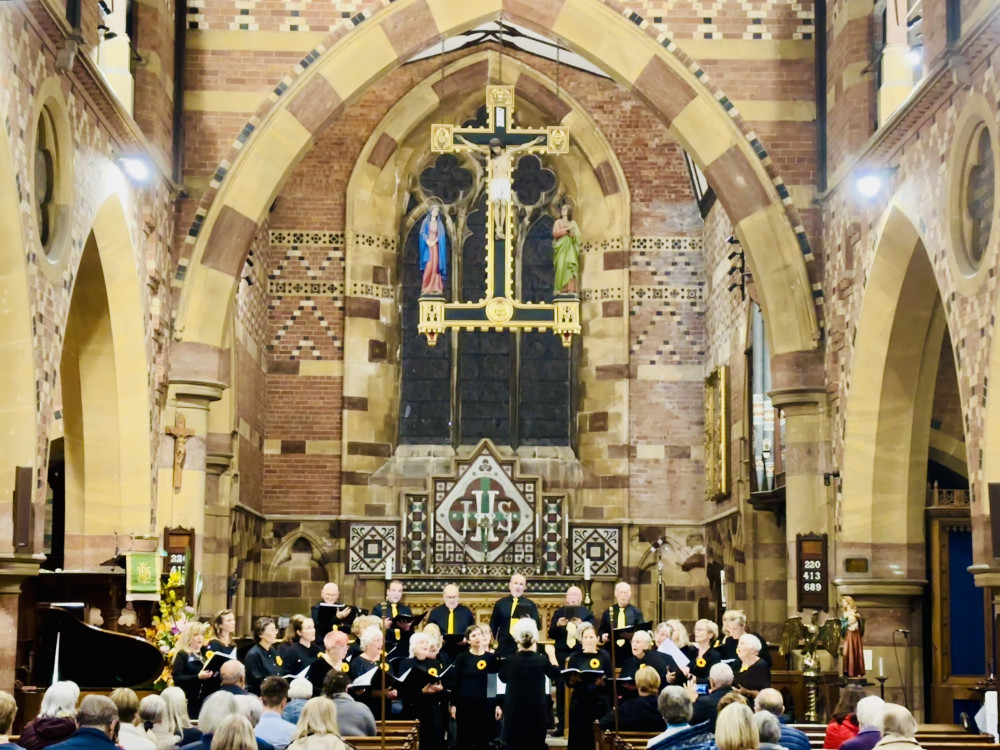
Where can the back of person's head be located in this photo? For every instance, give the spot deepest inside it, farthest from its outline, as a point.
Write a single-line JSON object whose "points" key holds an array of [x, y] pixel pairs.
{"points": [[60, 700], [175, 703], [768, 726], [735, 728], [232, 673], [319, 716], [273, 690], [525, 632], [898, 720], [730, 698], [97, 711], [848, 703], [769, 699], [249, 706], [675, 705], [335, 682], [128, 704], [721, 675], [8, 707], [300, 688], [870, 711], [234, 733], [648, 680], [215, 708], [152, 709]]}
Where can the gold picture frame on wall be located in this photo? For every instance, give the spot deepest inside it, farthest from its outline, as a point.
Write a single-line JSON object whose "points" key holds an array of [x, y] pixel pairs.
{"points": [[717, 434]]}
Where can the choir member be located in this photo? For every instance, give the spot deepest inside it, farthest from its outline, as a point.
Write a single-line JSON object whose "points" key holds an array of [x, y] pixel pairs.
{"points": [[642, 714], [705, 657], [331, 659], [564, 631], [754, 674], [590, 693], [621, 614], [734, 621], [679, 635], [394, 635], [224, 631], [475, 712], [371, 642], [188, 668], [329, 614], [645, 657], [422, 694], [262, 660], [453, 619], [506, 613], [526, 707], [299, 648]]}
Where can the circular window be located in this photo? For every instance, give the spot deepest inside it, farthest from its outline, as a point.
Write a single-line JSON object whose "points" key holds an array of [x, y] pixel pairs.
{"points": [[973, 181], [51, 167]]}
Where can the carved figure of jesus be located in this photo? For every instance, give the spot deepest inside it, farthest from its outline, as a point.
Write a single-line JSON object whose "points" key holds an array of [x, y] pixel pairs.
{"points": [[501, 176]]}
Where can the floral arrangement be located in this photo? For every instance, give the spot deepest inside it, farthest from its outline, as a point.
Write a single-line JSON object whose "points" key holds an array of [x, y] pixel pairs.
{"points": [[168, 626]]}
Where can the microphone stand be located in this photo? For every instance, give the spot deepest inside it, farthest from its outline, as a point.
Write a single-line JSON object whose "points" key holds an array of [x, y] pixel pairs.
{"points": [[614, 670], [659, 591], [383, 665]]}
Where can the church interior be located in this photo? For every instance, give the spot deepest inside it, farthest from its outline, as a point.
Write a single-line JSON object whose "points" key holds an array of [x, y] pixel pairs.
{"points": [[766, 386]]}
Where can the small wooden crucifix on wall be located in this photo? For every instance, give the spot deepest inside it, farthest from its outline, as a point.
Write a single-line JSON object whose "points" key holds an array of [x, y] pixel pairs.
{"points": [[180, 434]]}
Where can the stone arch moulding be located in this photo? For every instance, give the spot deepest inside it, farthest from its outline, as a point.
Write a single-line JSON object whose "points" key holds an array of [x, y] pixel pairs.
{"points": [[18, 427], [283, 553], [342, 67], [887, 416]]}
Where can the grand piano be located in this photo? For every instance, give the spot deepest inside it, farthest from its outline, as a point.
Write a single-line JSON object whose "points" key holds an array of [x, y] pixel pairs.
{"points": [[93, 658]]}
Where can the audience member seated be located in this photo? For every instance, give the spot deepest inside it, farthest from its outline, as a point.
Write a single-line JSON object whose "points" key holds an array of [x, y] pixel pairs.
{"points": [[753, 674], [770, 700], [706, 707], [769, 729], [234, 734], [177, 719], [250, 707], [299, 692], [214, 709], [898, 729], [729, 698], [354, 718], [56, 720], [675, 707], [317, 727], [735, 728], [234, 676], [869, 713], [271, 727], [153, 717], [641, 714], [98, 720], [130, 735], [844, 724], [8, 709]]}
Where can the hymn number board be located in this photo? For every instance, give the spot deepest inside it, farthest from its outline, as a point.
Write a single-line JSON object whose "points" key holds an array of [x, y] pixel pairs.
{"points": [[812, 571], [179, 546]]}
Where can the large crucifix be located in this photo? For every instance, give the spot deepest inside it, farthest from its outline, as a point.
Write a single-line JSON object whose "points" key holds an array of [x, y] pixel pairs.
{"points": [[499, 308], [180, 433]]}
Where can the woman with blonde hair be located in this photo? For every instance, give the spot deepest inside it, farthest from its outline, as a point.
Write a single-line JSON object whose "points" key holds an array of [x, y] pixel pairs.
{"points": [[176, 717], [188, 668], [705, 656], [153, 715], [735, 729], [56, 719], [234, 733], [317, 727]]}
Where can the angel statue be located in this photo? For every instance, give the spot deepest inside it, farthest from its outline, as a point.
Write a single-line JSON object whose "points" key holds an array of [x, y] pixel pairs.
{"points": [[811, 638]]}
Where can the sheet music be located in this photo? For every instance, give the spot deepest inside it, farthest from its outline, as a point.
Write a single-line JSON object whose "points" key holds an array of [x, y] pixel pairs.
{"points": [[670, 648]]}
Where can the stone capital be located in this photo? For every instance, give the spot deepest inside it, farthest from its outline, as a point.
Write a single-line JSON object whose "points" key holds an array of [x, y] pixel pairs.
{"points": [[880, 591], [15, 568]]}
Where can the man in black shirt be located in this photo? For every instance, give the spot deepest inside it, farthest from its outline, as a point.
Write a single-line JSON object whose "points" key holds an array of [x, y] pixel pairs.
{"points": [[620, 615], [507, 611], [394, 636], [563, 628]]}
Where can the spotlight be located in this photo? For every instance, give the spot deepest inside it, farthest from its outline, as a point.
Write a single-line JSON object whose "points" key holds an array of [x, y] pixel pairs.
{"points": [[915, 55], [136, 169], [869, 185]]}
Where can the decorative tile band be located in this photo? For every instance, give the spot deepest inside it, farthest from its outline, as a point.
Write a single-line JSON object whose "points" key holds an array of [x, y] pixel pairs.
{"points": [[284, 237], [666, 293]]}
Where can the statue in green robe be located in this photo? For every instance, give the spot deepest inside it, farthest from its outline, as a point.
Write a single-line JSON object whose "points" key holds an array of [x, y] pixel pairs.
{"points": [[566, 252]]}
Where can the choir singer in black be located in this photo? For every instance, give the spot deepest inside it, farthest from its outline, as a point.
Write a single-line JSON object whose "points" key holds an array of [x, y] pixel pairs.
{"points": [[564, 630], [394, 636], [621, 614], [507, 611], [453, 619], [526, 708]]}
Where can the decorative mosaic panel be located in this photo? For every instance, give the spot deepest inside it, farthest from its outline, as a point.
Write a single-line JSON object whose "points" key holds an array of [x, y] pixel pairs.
{"points": [[370, 545], [415, 533], [552, 533], [602, 544]]}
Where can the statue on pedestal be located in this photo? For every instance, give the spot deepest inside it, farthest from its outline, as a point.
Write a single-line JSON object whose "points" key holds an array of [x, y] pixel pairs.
{"points": [[852, 630], [566, 251], [433, 253]]}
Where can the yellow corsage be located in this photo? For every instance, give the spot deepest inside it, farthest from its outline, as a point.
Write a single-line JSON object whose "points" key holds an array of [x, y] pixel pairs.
{"points": [[700, 661], [481, 664], [744, 668], [432, 672], [277, 660], [595, 663], [345, 667], [385, 667], [643, 666], [209, 655]]}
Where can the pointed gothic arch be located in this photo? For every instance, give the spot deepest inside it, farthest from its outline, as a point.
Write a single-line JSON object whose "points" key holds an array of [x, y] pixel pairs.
{"points": [[348, 62]]}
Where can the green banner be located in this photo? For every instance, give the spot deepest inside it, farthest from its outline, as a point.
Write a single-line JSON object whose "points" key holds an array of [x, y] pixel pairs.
{"points": [[142, 575]]}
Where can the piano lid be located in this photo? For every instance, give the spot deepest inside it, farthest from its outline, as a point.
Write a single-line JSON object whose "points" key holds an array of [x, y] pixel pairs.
{"points": [[92, 657]]}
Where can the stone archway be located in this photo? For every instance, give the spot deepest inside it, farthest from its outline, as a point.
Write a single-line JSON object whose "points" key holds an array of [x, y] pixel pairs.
{"points": [[18, 431], [349, 62], [104, 374]]}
